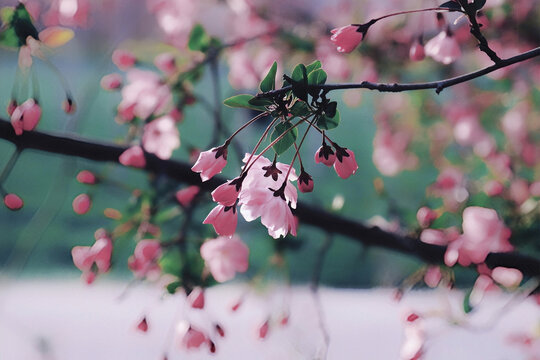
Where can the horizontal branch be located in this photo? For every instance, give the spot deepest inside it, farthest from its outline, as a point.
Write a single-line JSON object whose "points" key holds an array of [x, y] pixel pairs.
{"points": [[437, 85], [307, 214]]}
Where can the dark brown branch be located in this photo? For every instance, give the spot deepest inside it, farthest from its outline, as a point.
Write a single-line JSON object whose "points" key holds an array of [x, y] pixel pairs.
{"points": [[437, 85], [307, 214]]}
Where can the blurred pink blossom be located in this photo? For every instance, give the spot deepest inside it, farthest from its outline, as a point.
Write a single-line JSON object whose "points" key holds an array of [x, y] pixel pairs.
{"points": [[225, 256], [186, 196], [13, 202], [26, 116], [95, 259], [133, 156], [161, 137], [443, 48], [143, 262]]}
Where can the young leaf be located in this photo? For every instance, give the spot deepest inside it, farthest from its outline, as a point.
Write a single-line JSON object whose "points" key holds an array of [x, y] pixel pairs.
{"points": [[287, 140], [313, 66], [317, 77], [327, 123], [269, 82], [242, 101], [299, 73], [451, 5], [198, 39]]}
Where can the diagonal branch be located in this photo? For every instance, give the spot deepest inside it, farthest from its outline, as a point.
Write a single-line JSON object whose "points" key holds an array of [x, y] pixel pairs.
{"points": [[437, 85], [307, 214]]}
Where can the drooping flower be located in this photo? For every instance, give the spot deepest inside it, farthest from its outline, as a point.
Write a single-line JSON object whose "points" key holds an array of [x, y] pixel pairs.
{"points": [[223, 219], [225, 256], [161, 137], [227, 194], [143, 262], [443, 48], [345, 164], [13, 202], [417, 51], [305, 182], [211, 162], [346, 38], [134, 156], [325, 155], [26, 116]]}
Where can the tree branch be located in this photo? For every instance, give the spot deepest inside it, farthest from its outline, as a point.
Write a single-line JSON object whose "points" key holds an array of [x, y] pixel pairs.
{"points": [[307, 214], [437, 85]]}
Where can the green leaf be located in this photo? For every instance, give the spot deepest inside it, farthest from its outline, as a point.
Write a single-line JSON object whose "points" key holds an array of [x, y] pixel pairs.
{"points": [[451, 5], [198, 39], [299, 73], [6, 13], [327, 123], [172, 287], [479, 4], [255, 101], [287, 140], [313, 66], [242, 101], [299, 109], [171, 262], [317, 77], [269, 82], [9, 38], [467, 307]]}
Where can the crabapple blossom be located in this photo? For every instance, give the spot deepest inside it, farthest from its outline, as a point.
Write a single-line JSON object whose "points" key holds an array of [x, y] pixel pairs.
{"points": [[223, 219], [226, 194], [186, 196], [123, 59], [111, 81], [325, 155], [425, 216], [225, 256], [389, 151], [346, 38], [175, 18], [482, 285], [133, 156], [433, 276], [81, 204], [443, 48], [305, 182], [166, 63], [196, 298], [211, 162], [144, 95], [345, 164], [417, 51], [143, 262], [13, 202], [483, 232], [26, 116], [95, 259], [161, 137]]}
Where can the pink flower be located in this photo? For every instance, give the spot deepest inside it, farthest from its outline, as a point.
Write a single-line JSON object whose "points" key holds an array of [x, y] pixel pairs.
{"points": [[143, 325], [417, 51], [95, 259], [223, 219], [443, 48], [346, 38], [161, 137], [68, 13], [81, 204], [86, 177], [144, 95], [325, 155], [186, 196], [111, 81], [507, 277], [305, 182], [26, 116], [226, 194], [187, 337], [123, 59], [166, 63], [211, 162], [196, 298], [483, 232], [134, 156], [263, 330], [433, 276], [175, 18], [390, 154], [143, 262], [261, 196], [345, 164], [482, 285], [225, 256], [493, 188], [425, 216], [13, 202]]}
